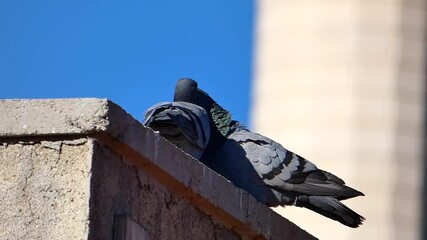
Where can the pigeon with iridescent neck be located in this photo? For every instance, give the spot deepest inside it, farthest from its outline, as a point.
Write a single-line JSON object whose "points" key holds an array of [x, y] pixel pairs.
{"points": [[271, 173]]}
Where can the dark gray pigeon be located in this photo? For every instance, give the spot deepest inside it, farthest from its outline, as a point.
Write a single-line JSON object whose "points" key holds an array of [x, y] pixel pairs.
{"points": [[272, 174], [184, 124], [187, 90]]}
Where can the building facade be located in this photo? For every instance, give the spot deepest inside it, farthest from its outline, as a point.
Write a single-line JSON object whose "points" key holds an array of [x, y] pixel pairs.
{"points": [[342, 84]]}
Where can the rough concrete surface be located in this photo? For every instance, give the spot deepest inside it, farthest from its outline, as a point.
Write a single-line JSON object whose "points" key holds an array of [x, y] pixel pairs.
{"points": [[52, 116], [119, 187], [79, 162], [44, 190]]}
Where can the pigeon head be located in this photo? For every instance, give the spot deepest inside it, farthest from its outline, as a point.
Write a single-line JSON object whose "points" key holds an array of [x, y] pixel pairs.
{"points": [[186, 90]]}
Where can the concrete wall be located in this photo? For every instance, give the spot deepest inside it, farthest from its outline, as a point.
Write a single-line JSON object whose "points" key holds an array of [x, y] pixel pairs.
{"points": [[45, 189], [69, 167]]}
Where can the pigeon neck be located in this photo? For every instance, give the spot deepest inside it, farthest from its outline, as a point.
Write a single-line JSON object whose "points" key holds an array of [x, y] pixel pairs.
{"points": [[221, 119]]}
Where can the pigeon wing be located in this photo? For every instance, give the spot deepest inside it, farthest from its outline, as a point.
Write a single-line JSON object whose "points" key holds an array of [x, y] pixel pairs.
{"points": [[184, 124], [284, 170]]}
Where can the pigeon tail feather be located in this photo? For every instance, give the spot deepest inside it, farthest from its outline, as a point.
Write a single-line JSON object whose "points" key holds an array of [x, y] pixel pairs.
{"points": [[331, 208]]}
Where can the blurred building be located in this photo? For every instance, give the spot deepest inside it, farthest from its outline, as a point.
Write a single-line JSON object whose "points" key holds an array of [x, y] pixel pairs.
{"points": [[342, 84]]}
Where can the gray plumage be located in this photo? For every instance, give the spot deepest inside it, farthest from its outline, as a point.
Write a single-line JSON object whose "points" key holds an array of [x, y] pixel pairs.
{"points": [[272, 174], [292, 179], [184, 124]]}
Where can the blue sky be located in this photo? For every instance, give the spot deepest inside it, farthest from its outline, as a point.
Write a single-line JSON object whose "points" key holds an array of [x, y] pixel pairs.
{"points": [[129, 51]]}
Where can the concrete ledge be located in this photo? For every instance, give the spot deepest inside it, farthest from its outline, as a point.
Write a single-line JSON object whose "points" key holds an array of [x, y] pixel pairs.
{"points": [[100, 119]]}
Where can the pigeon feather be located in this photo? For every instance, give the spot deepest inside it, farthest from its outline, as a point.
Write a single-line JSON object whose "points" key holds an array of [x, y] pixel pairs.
{"points": [[184, 124], [271, 173]]}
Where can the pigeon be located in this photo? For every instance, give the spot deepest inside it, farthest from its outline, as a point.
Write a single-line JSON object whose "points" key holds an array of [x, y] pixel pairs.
{"points": [[187, 90], [274, 175], [184, 124]]}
